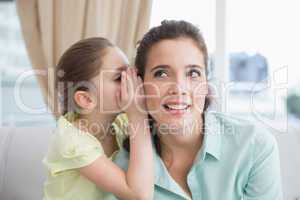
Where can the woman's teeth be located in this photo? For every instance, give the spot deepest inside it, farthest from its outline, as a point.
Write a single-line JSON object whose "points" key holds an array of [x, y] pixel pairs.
{"points": [[176, 106]]}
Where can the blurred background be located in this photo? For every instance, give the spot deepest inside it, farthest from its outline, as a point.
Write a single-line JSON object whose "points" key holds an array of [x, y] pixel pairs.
{"points": [[253, 47]]}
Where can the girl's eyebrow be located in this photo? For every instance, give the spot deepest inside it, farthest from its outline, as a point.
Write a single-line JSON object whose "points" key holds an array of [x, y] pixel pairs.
{"points": [[123, 68]]}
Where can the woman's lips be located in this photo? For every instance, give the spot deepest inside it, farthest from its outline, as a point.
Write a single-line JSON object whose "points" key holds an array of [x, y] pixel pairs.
{"points": [[176, 109]]}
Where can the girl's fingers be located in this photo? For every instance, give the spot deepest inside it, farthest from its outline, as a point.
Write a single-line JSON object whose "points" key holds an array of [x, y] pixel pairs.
{"points": [[140, 85], [124, 94], [135, 84], [118, 98], [135, 79], [129, 82]]}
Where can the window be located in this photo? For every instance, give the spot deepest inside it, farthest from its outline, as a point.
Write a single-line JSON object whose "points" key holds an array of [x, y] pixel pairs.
{"points": [[13, 63], [250, 44], [268, 28], [200, 13], [261, 34]]}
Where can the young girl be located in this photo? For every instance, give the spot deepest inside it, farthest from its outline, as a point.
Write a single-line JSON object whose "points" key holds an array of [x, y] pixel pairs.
{"points": [[94, 84]]}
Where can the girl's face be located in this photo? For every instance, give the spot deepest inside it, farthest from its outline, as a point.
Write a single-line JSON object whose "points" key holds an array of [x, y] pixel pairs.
{"points": [[107, 83], [175, 83]]}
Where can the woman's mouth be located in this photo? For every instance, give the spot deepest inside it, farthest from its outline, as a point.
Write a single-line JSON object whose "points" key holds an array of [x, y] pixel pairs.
{"points": [[176, 109]]}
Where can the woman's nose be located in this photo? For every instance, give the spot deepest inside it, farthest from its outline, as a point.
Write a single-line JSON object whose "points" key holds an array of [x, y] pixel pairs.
{"points": [[178, 87]]}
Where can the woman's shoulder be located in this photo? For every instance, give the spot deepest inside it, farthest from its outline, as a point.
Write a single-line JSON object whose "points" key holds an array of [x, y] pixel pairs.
{"points": [[245, 141], [242, 130]]}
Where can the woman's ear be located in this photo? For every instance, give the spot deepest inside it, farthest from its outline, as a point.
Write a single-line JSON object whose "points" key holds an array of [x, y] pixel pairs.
{"points": [[84, 100]]}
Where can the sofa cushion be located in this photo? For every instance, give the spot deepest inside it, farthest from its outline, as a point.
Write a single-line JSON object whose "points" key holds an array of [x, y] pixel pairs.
{"points": [[22, 173], [21, 170]]}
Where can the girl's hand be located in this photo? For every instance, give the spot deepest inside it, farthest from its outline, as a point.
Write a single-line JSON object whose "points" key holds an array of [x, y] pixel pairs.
{"points": [[131, 96]]}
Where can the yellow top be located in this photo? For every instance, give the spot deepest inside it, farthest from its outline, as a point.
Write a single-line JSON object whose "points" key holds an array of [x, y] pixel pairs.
{"points": [[69, 149]]}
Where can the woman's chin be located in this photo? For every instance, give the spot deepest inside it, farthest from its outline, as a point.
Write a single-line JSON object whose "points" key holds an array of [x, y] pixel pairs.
{"points": [[175, 125], [178, 117]]}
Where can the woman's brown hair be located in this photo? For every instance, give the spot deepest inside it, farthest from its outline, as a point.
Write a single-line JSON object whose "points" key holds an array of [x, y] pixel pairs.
{"points": [[169, 29], [81, 62]]}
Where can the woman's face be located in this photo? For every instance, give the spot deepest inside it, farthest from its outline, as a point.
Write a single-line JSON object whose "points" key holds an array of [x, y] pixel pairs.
{"points": [[108, 81], [175, 83]]}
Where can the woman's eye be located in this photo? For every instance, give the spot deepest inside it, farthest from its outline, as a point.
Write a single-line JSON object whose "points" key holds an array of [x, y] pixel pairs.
{"points": [[160, 74], [194, 73]]}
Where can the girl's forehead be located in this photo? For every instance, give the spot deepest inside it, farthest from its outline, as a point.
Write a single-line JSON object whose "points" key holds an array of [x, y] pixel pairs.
{"points": [[114, 58], [116, 61], [114, 68]]}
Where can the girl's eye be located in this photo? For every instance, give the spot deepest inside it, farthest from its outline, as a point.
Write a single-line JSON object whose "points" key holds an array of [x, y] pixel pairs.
{"points": [[160, 74], [193, 73], [118, 78]]}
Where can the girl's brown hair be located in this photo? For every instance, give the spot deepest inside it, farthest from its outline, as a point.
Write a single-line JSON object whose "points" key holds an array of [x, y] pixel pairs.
{"points": [[169, 29], [80, 63]]}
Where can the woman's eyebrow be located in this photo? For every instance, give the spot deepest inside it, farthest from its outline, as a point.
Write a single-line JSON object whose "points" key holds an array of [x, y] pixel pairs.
{"points": [[195, 66], [159, 67]]}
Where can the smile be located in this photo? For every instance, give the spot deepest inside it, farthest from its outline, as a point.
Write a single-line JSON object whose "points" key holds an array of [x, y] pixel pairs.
{"points": [[176, 106], [177, 109]]}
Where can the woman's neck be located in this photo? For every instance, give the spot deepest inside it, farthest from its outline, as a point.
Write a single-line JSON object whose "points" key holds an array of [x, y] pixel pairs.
{"points": [[181, 147]]}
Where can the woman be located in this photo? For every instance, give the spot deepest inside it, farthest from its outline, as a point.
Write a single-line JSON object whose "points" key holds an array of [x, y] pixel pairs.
{"points": [[200, 154]]}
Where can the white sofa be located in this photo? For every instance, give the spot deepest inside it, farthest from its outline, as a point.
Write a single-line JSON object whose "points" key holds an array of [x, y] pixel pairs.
{"points": [[22, 173]]}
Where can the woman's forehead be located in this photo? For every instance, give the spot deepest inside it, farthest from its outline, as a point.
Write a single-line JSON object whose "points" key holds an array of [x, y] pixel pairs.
{"points": [[183, 52], [181, 42]]}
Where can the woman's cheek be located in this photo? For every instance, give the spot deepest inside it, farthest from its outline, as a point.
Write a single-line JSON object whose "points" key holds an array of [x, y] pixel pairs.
{"points": [[200, 90], [199, 94], [199, 104], [152, 95]]}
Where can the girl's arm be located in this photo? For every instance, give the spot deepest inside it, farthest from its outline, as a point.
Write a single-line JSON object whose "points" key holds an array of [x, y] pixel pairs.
{"points": [[138, 181]]}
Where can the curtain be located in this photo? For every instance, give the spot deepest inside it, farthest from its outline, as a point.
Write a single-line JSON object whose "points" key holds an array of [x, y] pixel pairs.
{"points": [[51, 26]]}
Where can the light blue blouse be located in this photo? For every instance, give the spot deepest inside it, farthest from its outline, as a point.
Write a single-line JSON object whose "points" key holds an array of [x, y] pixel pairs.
{"points": [[238, 160]]}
